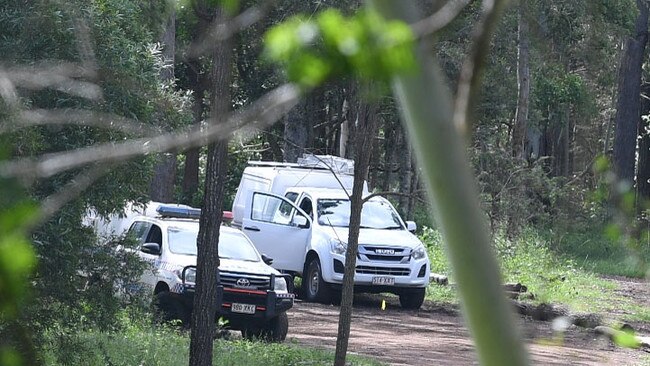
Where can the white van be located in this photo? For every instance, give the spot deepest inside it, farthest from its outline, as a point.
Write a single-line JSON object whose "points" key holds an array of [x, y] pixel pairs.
{"points": [[298, 214]]}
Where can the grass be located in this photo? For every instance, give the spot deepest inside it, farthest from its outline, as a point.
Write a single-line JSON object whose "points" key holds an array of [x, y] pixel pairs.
{"points": [[138, 342], [152, 346], [552, 277], [594, 251]]}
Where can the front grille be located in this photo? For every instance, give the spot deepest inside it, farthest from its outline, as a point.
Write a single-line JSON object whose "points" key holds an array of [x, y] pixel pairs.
{"points": [[378, 253], [383, 271], [255, 282], [374, 257]]}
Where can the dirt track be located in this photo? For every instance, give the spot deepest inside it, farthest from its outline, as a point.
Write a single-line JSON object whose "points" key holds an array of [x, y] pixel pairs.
{"points": [[436, 336]]}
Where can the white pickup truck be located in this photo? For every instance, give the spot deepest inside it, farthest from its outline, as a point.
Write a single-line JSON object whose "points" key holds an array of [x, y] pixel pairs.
{"points": [[299, 215]]}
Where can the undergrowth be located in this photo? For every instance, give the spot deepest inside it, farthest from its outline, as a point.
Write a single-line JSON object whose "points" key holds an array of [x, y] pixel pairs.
{"points": [[551, 276], [139, 343]]}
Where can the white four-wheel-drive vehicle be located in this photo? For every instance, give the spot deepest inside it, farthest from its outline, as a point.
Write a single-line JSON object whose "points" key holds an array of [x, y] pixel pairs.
{"points": [[299, 215], [252, 296]]}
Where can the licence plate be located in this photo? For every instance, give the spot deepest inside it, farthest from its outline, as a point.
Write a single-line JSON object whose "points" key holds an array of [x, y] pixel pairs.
{"points": [[383, 280], [243, 308]]}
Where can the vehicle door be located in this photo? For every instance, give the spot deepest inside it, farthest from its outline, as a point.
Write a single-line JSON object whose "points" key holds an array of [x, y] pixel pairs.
{"points": [[142, 232], [270, 223]]}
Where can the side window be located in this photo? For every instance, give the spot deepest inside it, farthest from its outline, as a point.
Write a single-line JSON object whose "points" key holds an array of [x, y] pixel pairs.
{"points": [[138, 231], [306, 206], [155, 235], [286, 208], [271, 209]]}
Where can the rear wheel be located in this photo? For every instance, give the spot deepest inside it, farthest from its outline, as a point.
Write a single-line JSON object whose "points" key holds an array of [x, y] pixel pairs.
{"points": [[413, 299], [316, 290]]}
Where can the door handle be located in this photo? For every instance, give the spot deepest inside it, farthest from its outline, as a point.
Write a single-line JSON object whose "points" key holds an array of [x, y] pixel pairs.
{"points": [[251, 228]]}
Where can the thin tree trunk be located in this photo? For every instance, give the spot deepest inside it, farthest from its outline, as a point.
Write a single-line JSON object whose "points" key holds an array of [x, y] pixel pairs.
{"points": [[405, 173], [427, 112], [643, 170], [164, 177], [519, 131], [205, 298], [297, 126], [629, 91], [190, 183], [365, 133]]}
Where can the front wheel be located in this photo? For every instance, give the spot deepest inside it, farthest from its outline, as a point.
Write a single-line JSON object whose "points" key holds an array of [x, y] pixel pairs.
{"points": [[316, 290], [275, 330], [413, 299], [169, 309]]}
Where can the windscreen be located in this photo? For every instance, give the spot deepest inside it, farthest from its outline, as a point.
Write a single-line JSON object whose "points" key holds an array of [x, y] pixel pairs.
{"points": [[231, 245], [376, 214]]}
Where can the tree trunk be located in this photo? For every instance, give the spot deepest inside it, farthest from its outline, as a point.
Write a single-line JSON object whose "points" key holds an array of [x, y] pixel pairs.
{"points": [[205, 299], [628, 104], [297, 129], [162, 183], [519, 131], [390, 148], [426, 108], [405, 173], [643, 170], [365, 133], [191, 173]]}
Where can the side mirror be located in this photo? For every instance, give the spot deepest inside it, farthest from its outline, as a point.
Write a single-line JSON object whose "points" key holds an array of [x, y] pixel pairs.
{"points": [[300, 221], [267, 260], [151, 248], [411, 226]]}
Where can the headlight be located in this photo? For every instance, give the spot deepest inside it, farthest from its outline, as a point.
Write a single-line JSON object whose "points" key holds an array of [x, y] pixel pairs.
{"points": [[338, 247], [190, 275], [280, 284], [419, 252]]}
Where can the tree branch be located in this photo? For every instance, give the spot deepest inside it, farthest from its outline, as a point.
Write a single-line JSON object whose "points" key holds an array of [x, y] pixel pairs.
{"points": [[219, 31], [264, 112], [439, 19], [470, 76], [78, 117], [70, 191]]}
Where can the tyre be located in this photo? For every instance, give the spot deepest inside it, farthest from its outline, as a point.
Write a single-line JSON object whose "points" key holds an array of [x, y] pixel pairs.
{"points": [[315, 289], [274, 331], [278, 328], [169, 309], [413, 299]]}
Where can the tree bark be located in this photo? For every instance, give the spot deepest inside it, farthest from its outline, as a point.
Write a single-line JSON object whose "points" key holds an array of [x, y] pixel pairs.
{"points": [[405, 173], [519, 131], [205, 298], [629, 91], [190, 183], [643, 169], [297, 130], [162, 182], [364, 134]]}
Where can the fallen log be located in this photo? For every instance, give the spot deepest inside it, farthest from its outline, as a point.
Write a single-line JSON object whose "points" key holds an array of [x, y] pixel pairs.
{"points": [[439, 279], [515, 287]]}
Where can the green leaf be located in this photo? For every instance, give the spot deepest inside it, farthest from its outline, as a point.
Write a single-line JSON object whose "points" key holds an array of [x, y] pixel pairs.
{"points": [[627, 340]]}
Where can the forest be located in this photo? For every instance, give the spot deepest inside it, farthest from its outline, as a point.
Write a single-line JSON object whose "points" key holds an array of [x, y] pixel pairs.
{"points": [[513, 133]]}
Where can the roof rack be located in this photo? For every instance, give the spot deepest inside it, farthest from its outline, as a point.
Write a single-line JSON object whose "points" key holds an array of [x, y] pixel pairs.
{"points": [[310, 161]]}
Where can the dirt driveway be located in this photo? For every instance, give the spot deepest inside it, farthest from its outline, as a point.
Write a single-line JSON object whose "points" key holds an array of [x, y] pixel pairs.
{"points": [[437, 336]]}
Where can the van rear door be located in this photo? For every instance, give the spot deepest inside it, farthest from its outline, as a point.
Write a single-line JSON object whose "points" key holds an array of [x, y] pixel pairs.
{"points": [[270, 223]]}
